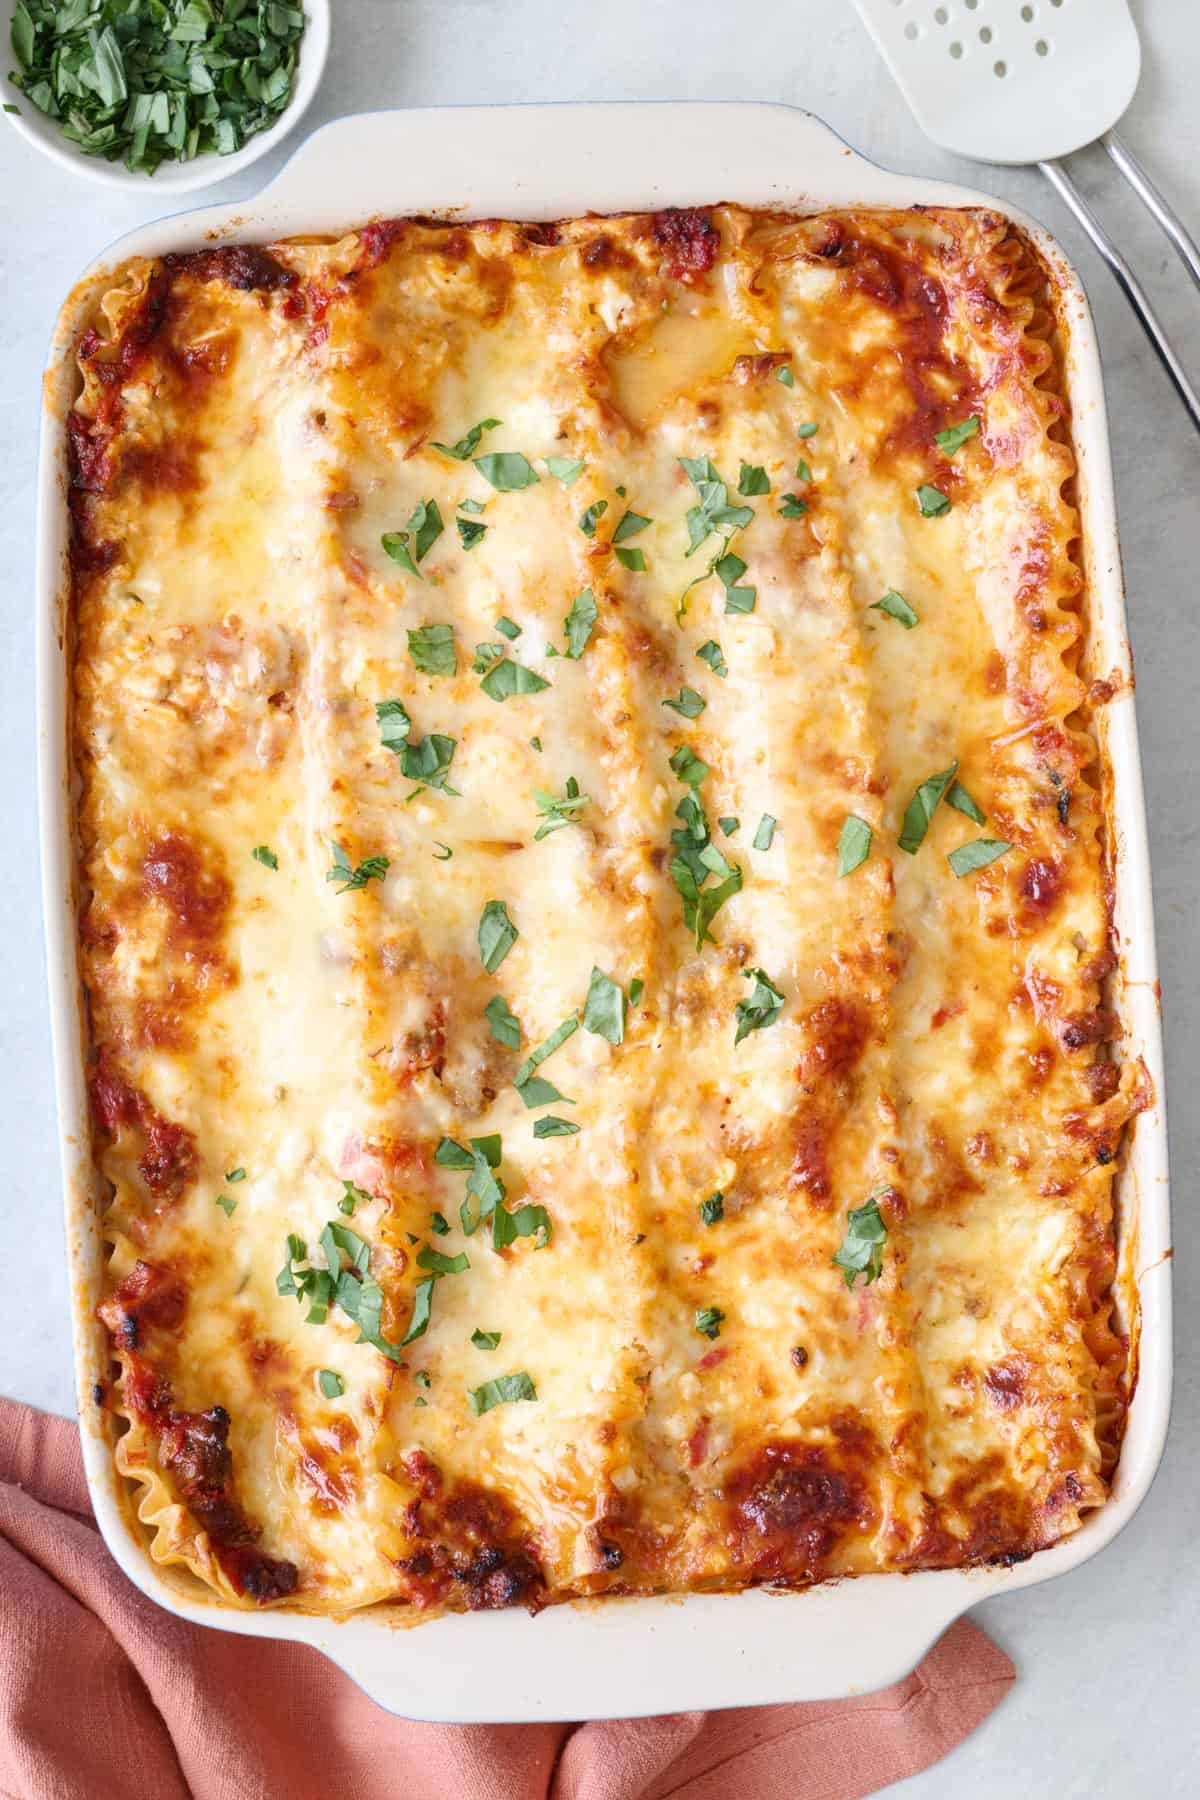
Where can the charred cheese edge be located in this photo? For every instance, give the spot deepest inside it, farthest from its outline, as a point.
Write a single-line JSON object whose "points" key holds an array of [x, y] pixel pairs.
{"points": [[252, 422]]}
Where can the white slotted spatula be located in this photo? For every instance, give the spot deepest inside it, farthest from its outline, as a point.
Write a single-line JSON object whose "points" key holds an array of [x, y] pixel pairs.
{"points": [[1028, 81]]}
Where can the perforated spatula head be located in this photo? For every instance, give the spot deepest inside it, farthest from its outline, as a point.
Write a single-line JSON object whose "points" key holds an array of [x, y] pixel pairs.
{"points": [[1009, 81]]}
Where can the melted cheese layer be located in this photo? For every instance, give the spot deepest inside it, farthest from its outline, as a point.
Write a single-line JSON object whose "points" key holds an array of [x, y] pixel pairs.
{"points": [[274, 1051]]}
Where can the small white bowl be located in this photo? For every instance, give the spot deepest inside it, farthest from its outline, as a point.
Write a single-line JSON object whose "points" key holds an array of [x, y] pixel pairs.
{"points": [[170, 177]]}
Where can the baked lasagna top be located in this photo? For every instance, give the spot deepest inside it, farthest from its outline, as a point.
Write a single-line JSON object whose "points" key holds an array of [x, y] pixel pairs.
{"points": [[594, 907]]}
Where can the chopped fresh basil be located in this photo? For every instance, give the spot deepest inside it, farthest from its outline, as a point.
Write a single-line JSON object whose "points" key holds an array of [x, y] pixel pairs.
{"points": [[591, 518], [470, 532], [486, 657], [523, 1222], [687, 765], [628, 525], [267, 857], [443, 853], [351, 877], [712, 654], [352, 1196], [803, 472], [467, 445], [634, 560], [497, 935], [729, 570], [637, 988], [535, 1092], [712, 1210], [394, 724], [932, 502], [422, 1379], [695, 856], [604, 1008], [508, 628], [714, 512], [958, 797], [752, 479], [579, 623], [506, 1027], [332, 1385], [862, 1247], [431, 649], [785, 375], [739, 600], [566, 469], [690, 704], [418, 1324], [807, 430], [535, 743], [411, 546], [557, 812], [508, 471], [969, 857], [792, 506], [765, 834], [761, 1009], [499, 1392], [709, 1320], [486, 1340], [854, 844], [921, 808], [227, 1205], [235, 1175], [955, 436], [550, 1126], [508, 678], [439, 1224], [439, 1264], [472, 506], [428, 762], [546, 1048], [728, 823], [896, 607]]}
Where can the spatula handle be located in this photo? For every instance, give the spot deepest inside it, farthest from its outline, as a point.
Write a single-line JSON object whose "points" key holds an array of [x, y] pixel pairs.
{"points": [[1057, 175], [1155, 203]]}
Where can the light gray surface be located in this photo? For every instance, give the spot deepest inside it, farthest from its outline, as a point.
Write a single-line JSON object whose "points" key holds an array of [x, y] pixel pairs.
{"points": [[1108, 1658]]}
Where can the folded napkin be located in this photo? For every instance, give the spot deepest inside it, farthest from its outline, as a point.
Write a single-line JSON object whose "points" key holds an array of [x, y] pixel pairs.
{"points": [[103, 1696]]}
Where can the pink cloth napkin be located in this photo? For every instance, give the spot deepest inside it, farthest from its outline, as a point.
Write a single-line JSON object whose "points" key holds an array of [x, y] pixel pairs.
{"points": [[103, 1696]]}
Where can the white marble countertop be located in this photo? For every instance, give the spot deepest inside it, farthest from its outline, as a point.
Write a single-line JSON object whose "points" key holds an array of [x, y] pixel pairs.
{"points": [[1108, 1658]]}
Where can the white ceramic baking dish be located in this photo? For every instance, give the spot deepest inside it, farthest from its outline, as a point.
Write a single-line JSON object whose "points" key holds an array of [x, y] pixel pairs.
{"points": [[616, 1657]]}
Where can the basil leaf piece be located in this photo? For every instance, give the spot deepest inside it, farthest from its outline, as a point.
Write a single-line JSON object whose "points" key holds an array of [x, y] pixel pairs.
{"points": [[729, 569], [792, 506], [637, 988], [235, 1175], [508, 471], [784, 374], [932, 502], [266, 856], [604, 1008], [765, 834], [566, 469], [688, 767], [394, 724], [486, 1340], [921, 808], [631, 559], [227, 1205], [712, 1210], [761, 1009], [428, 762], [579, 623], [862, 1247], [525, 1221], [628, 525], [589, 520], [506, 1027], [896, 607], [443, 853], [955, 436], [471, 506], [411, 546], [958, 797], [803, 472], [546, 1048], [438, 1264], [421, 1378], [418, 1324], [807, 430], [331, 1384], [535, 1092], [431, 649], [500, 1392], [508, 627], [690, 704], [509, 678], [969, 857], [450, 1155], [352, 1196], [714, 511], [712, 654], [497, 935], [739, 600], [709, 1320], [486, 658], [854, 844], [470, 532], [469, 443], [752, 479], [395, 543], [728, 824], [351, 877], [550, 1126], [558, 811], [439, 1224]]}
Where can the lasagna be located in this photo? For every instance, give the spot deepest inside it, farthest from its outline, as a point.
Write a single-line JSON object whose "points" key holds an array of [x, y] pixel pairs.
{"points": [[594, 910]]}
